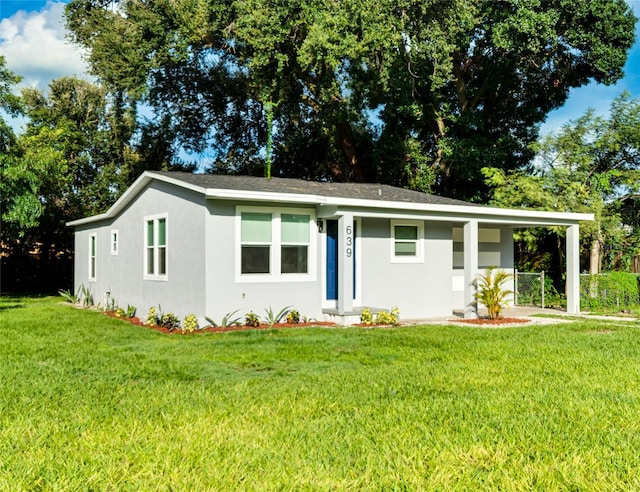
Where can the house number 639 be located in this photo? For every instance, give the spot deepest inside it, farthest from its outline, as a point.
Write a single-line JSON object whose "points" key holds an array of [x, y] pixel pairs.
{"points": [[348, 241]]}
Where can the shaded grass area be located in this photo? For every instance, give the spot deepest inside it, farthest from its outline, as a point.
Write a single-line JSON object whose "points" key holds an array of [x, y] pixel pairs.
{"points": [[91, 402]]}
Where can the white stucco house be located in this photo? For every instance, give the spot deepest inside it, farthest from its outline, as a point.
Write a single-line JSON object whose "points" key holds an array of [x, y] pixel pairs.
{"points": [[210, 244]]}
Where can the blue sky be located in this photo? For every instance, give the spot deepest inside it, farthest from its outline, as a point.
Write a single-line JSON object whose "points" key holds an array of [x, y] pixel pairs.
{"points": [[32, 39]]}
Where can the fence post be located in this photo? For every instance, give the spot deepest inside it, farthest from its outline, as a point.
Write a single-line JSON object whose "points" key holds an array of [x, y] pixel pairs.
{"points": [[515, 287], [542, 286]]}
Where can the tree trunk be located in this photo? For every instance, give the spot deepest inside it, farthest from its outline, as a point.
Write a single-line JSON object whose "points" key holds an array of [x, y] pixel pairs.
{"points": [[345, 137], [595, 256]]}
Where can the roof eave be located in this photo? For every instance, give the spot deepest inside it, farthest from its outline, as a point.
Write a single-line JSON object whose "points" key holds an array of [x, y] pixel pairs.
{"points": [[497, 215]]}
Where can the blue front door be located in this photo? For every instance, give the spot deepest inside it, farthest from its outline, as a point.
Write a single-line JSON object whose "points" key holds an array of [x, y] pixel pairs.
{"points": [[332, 260]]}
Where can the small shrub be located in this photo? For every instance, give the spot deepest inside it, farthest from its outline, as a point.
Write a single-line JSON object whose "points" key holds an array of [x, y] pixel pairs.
{"points": [[251, 319], [170, 321], [273, 318], [120, 313], [388, 317], [153, 316], [85, 296], [227, 320], [293, 317], [490, 291], [190, 323], [110, 303], [68, 296], [131, 311], [366, 317]]}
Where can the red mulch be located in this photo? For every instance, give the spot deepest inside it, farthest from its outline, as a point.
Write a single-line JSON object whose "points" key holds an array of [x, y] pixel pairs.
{"points": [[218, 329], [497, 321]]}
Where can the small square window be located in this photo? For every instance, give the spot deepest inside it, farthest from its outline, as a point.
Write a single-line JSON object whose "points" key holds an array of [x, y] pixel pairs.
{"points": [[406, 242]]}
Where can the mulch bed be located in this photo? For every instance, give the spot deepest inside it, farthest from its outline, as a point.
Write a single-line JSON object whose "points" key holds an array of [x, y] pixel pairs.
{"points": [[219, 329]]}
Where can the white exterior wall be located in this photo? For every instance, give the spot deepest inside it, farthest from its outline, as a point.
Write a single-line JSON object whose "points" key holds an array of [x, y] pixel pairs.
{"points": [[123, 274], [225, 294], [419, 290], [495, 249]]}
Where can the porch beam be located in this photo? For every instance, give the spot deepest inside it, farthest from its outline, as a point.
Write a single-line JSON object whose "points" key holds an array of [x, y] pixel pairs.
{"points": [[573, 269], [470, 252], [346, 238]]}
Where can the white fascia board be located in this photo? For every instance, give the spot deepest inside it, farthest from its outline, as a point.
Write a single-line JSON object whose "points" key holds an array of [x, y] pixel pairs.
{"points": [[505, 219], [264, 196], [403, 209]]}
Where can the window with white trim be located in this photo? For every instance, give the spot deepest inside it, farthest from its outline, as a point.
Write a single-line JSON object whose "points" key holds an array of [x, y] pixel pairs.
{"points": [[114, 242], [275, 244], [155, 250], [406, 241], [92, 256]]}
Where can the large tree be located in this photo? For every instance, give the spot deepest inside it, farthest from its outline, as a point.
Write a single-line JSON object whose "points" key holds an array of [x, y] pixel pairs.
{"points": [[419, 93], [589, 165], [72, 160]]}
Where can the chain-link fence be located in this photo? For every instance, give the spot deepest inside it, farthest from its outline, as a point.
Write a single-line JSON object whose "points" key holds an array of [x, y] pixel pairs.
{"points": [[529, 289], [619, 290]]}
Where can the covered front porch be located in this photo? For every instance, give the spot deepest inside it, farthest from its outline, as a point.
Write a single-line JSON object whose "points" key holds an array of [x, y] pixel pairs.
{"points": [[439, 280]]}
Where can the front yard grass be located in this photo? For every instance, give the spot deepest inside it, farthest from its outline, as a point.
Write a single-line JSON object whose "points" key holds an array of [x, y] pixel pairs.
{"points": [[89, 402]]}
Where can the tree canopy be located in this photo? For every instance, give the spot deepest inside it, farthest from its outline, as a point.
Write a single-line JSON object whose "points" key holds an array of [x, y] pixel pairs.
{"points": [[591, 164], [420, 94]]}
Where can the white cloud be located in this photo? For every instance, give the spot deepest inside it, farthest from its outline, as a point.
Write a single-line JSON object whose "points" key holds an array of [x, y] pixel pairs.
{"points": [[35, 47]]}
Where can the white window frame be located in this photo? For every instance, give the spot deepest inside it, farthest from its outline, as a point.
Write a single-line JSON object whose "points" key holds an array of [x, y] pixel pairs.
{"points": [[275, 250], [419, 256], [155, 249], [114, 241], [93, 257]]}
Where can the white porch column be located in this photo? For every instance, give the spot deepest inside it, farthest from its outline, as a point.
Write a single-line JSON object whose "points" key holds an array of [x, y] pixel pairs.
{"points": [[346, 238], [573, 269], [470, 267]]}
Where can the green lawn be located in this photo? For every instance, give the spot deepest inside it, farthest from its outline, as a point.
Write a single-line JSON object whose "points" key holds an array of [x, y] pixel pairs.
{"points": [[91, 402]]}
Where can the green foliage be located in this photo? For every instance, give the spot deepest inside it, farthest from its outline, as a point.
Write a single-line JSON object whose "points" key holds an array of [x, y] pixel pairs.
{"points": [[85, 296], [120, 313], [388, 317], [131, 311], [68, 296], [272, 317], [153, 316], [490, 291], [169, 321], [251, 319], [190, 323], [366, 316], [613, 290], [319, 71], [589, 165], [227, 320], [530, 292], [293, 317]]}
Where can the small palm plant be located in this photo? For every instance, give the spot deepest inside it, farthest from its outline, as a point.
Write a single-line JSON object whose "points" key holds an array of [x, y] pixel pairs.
{"points": [[490, 291]]}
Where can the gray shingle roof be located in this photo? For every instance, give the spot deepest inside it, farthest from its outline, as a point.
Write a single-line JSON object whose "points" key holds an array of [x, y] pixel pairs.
{"points": [[362, 191]]}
